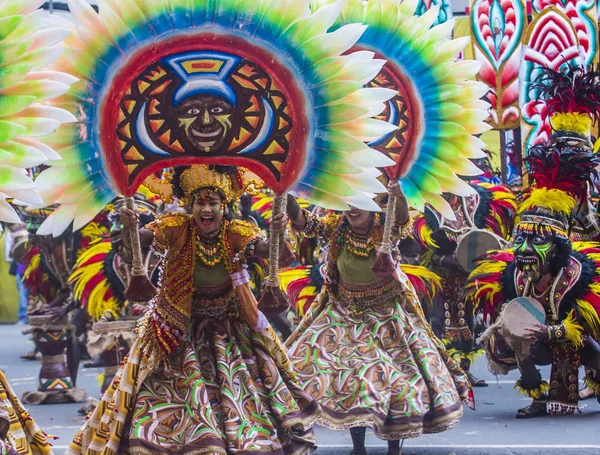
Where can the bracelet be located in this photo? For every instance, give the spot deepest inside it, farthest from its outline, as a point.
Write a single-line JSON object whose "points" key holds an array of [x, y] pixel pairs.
{"points": [[556, 332]]}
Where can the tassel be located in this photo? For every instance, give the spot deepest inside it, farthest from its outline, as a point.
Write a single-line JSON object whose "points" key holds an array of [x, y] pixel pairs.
{"points": [[384, 266], [140, 288], [274, 300]]}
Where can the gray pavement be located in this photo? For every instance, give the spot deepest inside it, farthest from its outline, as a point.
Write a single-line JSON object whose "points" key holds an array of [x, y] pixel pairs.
{"points": [[491, 429]]}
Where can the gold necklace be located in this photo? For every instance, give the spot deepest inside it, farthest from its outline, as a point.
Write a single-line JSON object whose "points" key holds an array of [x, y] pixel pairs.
{"points": [[209, 251], [359, 244]]}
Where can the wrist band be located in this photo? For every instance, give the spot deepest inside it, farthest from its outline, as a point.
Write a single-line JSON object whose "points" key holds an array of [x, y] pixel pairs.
{"points": [[240, 278]]}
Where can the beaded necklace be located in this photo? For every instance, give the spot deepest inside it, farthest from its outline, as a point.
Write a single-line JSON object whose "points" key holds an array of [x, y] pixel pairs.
{"points": [[358, 244], [210, 251], [361, 245]]}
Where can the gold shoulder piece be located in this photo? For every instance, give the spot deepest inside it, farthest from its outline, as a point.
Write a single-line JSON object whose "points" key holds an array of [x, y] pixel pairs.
{"points": [[172, 220], [244, 228]]}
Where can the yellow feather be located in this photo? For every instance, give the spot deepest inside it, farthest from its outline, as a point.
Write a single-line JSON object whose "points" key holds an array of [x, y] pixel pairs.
{"points": [[590, 318], [426, 234], [33, 265], [579, 246], [94, 230], [308, 291], [556, 200], [288, 276], [573, 330]]}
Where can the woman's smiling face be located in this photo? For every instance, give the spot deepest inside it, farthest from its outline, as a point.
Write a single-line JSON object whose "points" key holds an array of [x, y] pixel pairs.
{"points": [[207, 210], [358, 219]]}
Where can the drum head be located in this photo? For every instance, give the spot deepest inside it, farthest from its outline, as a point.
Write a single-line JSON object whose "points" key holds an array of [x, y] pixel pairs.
{"points": [[474, 244], [521, 313]]}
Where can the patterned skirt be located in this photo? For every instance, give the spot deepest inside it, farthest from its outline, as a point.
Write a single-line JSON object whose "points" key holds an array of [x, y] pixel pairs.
{"points": [[229, 390], [24, 437], [382, 369]]}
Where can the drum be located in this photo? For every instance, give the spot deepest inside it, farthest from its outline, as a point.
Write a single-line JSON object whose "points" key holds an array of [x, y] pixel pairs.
{"points": [[51, 339], [518, 315], [111, 341], [475, 244]]}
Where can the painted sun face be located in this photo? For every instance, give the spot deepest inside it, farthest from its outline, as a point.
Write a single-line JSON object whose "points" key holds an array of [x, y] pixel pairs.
{"points": [[534, 253], [206, 120]]}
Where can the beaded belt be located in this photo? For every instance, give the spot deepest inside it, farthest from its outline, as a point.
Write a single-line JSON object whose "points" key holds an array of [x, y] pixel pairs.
{"points": [[215, 302], [359, 297]]}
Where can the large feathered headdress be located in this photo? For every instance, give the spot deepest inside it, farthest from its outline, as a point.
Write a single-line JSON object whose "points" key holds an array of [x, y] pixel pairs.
{"points": [[573, 102], [560, 179]]}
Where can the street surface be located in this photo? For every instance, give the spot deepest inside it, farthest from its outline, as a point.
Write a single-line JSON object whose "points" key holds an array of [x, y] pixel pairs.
{"points": [[491, 429]]}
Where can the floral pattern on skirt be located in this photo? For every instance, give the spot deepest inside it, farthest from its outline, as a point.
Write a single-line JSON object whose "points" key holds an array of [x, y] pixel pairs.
{"points": [[383, 369], [228, 391]]}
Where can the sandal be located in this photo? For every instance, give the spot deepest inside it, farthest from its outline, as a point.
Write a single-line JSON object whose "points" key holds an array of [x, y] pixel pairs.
{"points": [[531, 411], [476, 382], [29, 356]]}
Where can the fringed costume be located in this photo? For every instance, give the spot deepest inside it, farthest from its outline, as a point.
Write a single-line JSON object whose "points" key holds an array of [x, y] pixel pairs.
{"points": [[561, 276], [364, 333], [492, 208], [19, 434], [206, 351]]}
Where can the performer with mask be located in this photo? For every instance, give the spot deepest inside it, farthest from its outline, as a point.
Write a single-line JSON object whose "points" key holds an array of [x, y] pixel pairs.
{"points": [[367, 333], [559, 278], [492, 209], [573, 102]]}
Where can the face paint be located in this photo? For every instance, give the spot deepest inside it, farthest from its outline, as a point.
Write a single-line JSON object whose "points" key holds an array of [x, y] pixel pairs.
{"points": [[206, 120], [533, 253], [542, 251]]}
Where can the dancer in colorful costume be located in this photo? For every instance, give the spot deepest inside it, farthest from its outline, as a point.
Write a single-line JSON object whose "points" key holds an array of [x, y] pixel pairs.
{"points": [[50, 263], [558, 275], [256, 84], [99, 279], [231, 387], [371, 333], [573, 102], [19, 434], [492, 208]]}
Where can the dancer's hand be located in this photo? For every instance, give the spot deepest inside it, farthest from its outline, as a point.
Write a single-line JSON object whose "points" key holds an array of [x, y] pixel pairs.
{"points": [[395, 191], [129, 218], [539, 332], [279, 222], [57, 312]]}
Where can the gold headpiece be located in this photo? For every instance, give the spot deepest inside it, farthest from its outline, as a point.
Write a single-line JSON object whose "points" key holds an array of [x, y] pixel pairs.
{"points": [[201, 176]]}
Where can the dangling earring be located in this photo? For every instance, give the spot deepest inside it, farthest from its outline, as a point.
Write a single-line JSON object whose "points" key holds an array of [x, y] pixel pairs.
{"points": [[226, 211]]}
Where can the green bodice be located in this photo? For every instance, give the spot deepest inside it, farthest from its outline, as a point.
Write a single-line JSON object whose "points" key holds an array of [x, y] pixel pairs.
{"points": [[207, 276], [356, 269]]}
